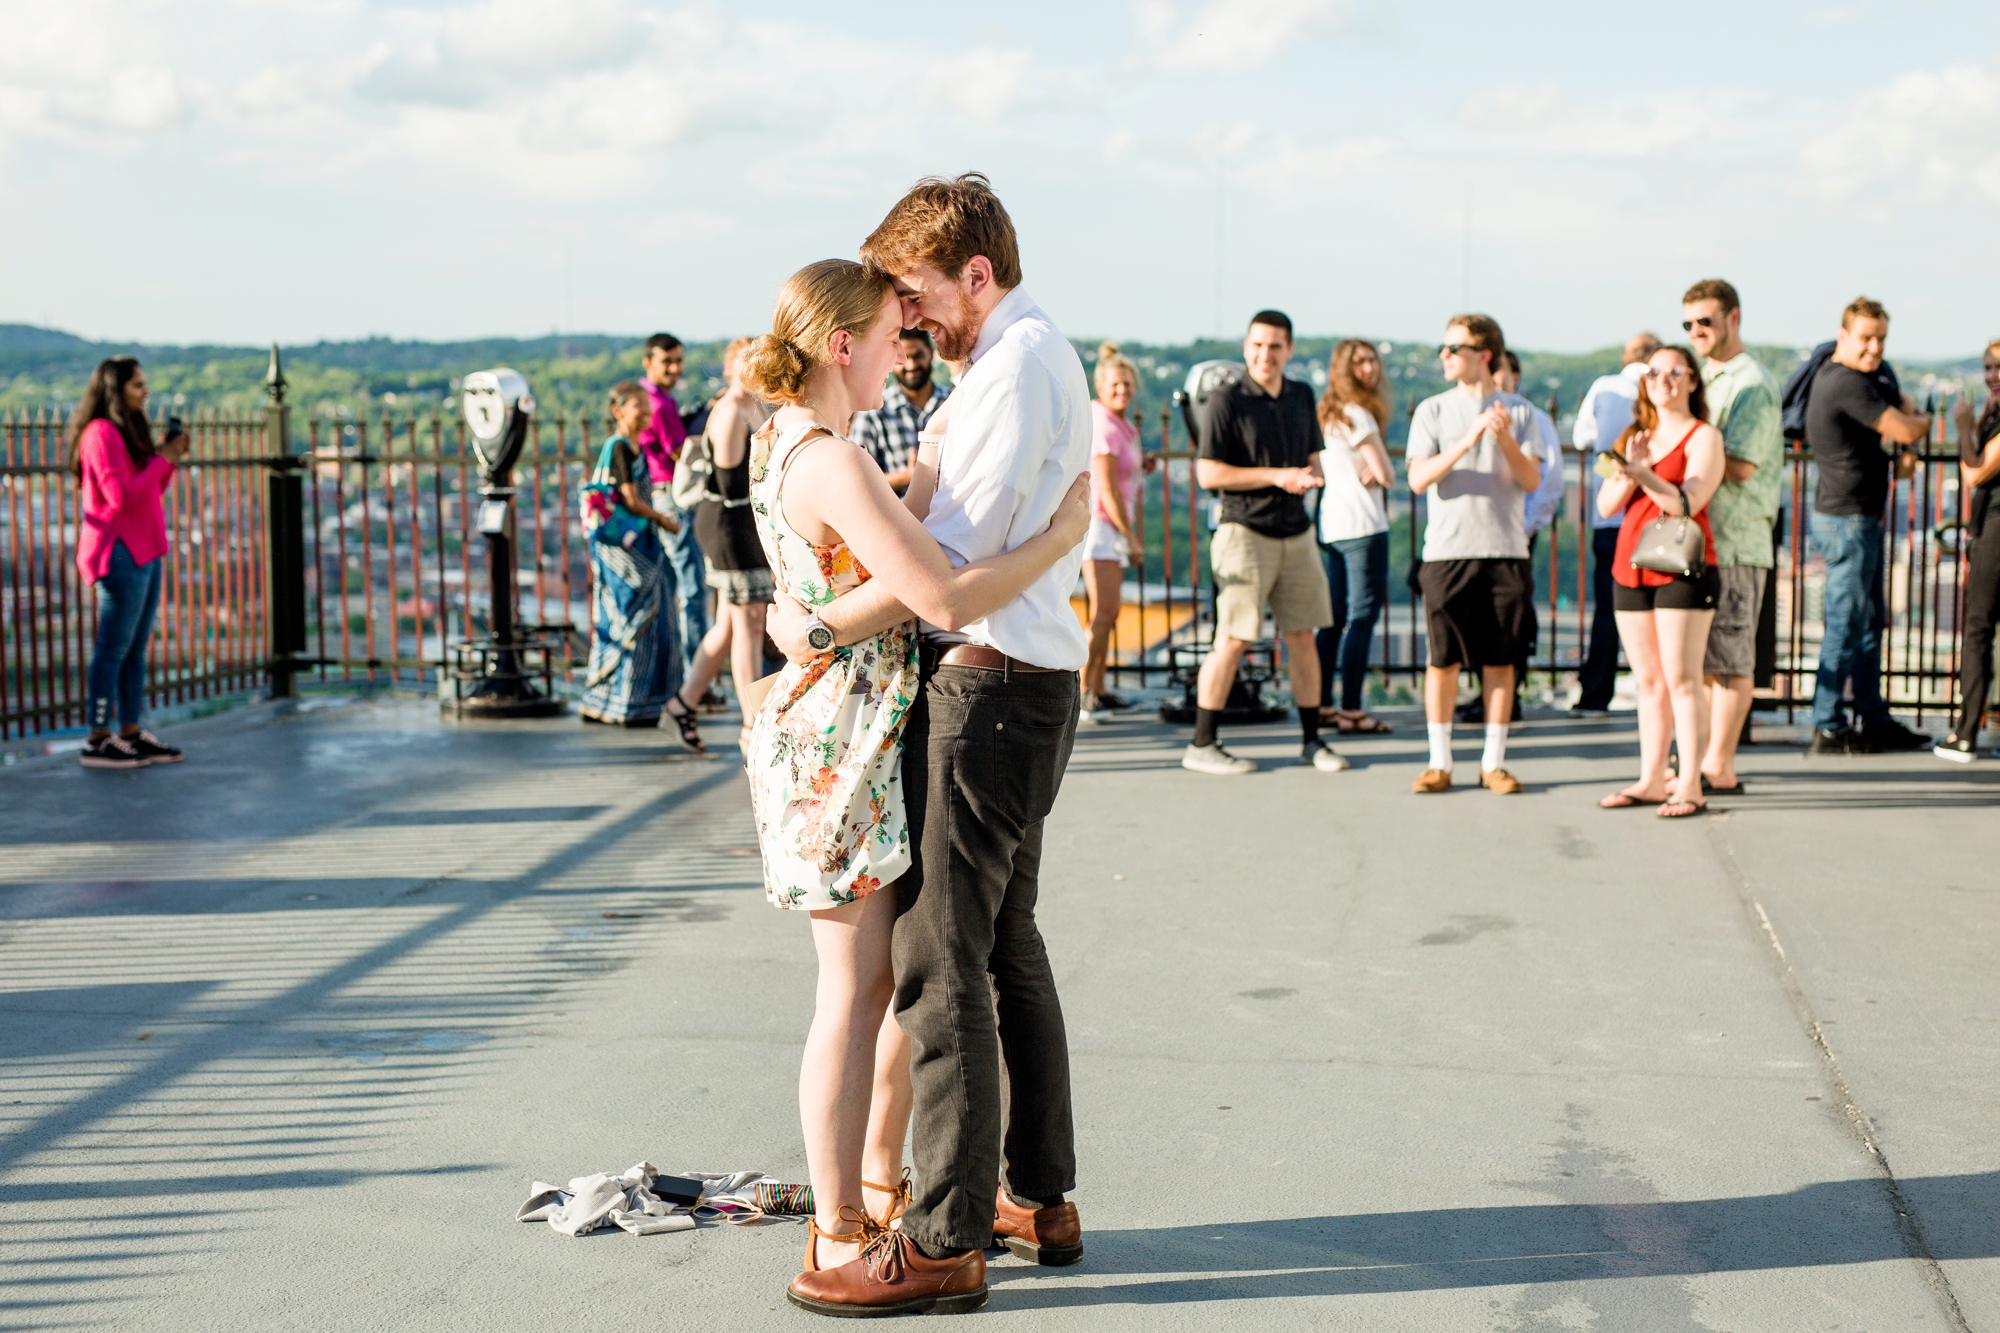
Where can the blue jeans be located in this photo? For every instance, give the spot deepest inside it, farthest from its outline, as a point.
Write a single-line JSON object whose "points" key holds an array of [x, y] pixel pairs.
{"points": [[1357, 574], [690, 577], [1850, 651], [127, 597]]}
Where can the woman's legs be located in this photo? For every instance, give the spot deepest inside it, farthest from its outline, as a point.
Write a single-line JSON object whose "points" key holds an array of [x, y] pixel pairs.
{"points": [[709, 655], [746, 656], [838, 1075], [1683, 637], [1637, 632], [1367, 560], [132, 675], [125, 596], [1326, 641], [1104, 581], [888, 1110]]}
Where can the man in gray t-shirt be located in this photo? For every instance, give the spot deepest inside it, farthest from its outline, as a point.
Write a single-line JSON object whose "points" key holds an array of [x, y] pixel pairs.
{"points": [[1465, 452]]}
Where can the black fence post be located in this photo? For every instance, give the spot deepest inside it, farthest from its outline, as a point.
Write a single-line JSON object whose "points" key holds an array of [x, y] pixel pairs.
{"points": [[284, 541]]}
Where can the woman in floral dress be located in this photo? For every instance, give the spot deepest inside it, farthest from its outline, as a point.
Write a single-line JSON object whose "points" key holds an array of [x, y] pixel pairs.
{"points": [[826, 747]]}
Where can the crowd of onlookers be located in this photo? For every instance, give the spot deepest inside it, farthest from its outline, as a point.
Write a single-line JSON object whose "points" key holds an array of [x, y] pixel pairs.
{"points": [[1688, 445]]}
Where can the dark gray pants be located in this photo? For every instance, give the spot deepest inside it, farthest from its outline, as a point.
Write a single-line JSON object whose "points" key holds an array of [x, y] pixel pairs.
{"points": [[983, 757]]}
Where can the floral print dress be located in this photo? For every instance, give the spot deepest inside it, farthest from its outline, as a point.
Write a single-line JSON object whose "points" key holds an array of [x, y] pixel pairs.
{"points": [[826, 749]]}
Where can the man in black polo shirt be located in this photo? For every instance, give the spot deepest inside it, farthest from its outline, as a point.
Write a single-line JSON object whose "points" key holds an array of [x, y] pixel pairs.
{"points": [[1259, 447], [1848, 420]]}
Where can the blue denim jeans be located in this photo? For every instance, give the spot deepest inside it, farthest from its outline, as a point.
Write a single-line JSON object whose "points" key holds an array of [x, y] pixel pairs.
{"points": [[1850, 652], [690, 576], [1357, 572], [127, 597]]}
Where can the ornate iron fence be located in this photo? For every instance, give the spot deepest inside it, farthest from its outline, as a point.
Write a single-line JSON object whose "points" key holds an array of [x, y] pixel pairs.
{"points": [[364, 567]]}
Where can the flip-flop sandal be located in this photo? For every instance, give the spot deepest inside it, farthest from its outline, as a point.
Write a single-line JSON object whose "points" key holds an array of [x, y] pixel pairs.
{"points": [[1710, 789], [1619, 800], [1681, 810]]}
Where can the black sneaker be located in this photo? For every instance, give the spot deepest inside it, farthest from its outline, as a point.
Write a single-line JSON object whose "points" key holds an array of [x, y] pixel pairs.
{"points": [[1887, 734], [1845, 741], [1117, 703], [1956, 750], [1473, 711], [153, 749], [112, 752]]}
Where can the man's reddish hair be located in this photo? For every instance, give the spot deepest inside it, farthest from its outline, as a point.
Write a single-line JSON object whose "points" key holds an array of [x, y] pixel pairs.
{"points": [[944, 223]]}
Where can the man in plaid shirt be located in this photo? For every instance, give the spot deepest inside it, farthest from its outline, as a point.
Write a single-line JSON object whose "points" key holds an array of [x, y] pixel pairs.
{"points": [[890, 433]]}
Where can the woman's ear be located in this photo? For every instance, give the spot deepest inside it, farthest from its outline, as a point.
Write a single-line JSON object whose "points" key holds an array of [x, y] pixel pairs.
{"points": [[841, 347]]}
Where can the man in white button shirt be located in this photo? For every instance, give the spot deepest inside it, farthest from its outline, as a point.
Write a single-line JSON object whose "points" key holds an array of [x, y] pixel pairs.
{"points": [[1603, 415], [985, 746]]}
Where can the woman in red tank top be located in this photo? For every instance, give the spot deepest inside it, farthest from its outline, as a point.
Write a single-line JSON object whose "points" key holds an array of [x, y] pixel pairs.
{"points": [[1669, 462]]}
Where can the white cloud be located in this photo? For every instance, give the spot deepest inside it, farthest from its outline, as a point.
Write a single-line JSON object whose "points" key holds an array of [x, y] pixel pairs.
{"points": [[1937, 134], [1541, 121], [983, 84], [1297, 167], [1231, 34], [63, 77], [1117, 143]]}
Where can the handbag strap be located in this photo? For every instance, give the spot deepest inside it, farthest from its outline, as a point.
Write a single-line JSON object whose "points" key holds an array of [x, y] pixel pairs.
{"points": [[1687, 510]]}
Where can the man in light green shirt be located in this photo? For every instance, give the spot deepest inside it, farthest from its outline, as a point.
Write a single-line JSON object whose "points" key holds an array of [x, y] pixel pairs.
{"points": [[1743, 403]]}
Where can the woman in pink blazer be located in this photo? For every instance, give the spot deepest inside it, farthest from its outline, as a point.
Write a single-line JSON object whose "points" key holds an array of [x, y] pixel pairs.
{"points": [[121, 548]]}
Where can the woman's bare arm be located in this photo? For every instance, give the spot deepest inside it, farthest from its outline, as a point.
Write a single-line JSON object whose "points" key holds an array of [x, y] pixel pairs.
{"points": [[635, 500], [1371, 460]]}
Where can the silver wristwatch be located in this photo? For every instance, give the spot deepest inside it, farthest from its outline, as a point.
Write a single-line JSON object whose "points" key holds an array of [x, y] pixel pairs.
{"points": [[819, 636]]}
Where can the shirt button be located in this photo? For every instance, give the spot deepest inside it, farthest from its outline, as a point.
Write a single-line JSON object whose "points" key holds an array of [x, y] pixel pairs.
{"points": [[999, 726]]}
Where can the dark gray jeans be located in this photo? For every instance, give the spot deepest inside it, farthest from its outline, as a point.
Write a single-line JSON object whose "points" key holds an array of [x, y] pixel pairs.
{"points": [[983, 757]]}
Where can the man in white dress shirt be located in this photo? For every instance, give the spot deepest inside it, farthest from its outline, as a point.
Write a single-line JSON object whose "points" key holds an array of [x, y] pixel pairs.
{"points": [[984, 750]]}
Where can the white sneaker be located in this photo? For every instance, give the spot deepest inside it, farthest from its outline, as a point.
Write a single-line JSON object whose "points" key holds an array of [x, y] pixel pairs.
{"points": [[1215, 759], [1322, 756]]}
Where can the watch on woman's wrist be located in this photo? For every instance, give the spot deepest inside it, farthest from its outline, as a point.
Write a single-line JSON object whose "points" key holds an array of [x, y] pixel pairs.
{"points": [[819, 635]]}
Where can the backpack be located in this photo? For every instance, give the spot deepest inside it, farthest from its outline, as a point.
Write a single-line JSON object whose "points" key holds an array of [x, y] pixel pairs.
{"points": [[601, 508], [694, 473], [1798, 390]]}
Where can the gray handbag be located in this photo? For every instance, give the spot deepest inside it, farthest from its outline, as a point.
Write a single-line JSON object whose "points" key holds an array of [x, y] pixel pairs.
{"points": [[1673, 545]]}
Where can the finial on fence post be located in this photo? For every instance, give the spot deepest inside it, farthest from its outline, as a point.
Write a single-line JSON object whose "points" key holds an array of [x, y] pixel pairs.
{"points": [[284, 540], [274, 379]]}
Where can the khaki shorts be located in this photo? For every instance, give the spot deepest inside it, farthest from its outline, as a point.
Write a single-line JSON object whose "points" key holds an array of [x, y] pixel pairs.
{"points": [[1253, 571], [1732, 635]]}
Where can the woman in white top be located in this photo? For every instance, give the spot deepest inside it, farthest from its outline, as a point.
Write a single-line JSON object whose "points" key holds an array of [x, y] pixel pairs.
{"points": [[1353, 527]]}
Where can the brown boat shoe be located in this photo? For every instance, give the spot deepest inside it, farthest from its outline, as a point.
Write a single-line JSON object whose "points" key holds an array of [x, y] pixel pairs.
{"points": [[1049, 1236], [1432, 780], [893, 1277], [1499, 780]]}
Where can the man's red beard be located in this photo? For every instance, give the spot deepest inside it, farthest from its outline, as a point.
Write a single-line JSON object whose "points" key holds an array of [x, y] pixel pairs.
{"points": [[955, 339]]}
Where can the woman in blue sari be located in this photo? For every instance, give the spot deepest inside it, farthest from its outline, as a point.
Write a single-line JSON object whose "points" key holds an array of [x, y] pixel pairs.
{"points": [[635, 661]]}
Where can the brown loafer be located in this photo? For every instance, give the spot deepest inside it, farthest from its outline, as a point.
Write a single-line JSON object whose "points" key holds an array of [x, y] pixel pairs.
{"points": [[892, 1277], [1499, 780], [1048, 1236], [1433, 780]]}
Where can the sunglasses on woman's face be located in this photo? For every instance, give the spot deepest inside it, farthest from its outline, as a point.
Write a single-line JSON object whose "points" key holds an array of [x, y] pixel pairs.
{"points": [[1706, 321], [1668, 376]]}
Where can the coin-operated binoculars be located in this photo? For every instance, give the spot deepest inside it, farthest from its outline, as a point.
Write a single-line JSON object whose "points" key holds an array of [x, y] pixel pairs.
{"points": [[498, 676]]}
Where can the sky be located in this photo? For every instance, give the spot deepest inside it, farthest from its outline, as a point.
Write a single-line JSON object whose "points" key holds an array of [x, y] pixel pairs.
{"points": [[246, 170]]}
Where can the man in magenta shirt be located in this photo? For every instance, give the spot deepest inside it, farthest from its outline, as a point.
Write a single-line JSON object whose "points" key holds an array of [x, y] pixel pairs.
{"points": [[660, 444]]}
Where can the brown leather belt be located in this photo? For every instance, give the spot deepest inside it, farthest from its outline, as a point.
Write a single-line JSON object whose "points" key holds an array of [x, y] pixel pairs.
{"points": [[979, 656]]}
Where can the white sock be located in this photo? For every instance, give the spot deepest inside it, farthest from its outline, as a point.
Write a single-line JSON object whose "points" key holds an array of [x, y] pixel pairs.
{"points": [[1440, 733], [1496, 747]]}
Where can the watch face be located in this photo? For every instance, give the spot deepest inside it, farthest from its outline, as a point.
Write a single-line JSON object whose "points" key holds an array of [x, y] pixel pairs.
{"points": [[820, 637]]}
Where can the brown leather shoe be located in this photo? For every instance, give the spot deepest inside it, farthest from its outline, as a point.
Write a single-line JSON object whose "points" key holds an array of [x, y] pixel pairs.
{"points": [[893, 1276], [1049, 1236], [1433, 779], [1499, 780]]}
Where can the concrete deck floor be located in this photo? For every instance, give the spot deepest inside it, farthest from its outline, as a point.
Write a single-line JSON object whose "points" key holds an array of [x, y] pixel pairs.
{"points": [[286, 1031]]}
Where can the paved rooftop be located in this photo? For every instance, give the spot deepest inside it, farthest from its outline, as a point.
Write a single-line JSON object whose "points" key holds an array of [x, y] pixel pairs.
{"points": [[286, 1031]]}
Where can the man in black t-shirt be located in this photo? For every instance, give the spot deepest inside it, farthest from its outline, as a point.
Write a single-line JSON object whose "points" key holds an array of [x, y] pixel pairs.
{"points": [[1848, 426], [1259, 448]]}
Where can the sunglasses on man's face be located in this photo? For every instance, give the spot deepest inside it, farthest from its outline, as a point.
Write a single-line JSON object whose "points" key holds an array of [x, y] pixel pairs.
{"points": [[1706, 321], [1455, 349]]}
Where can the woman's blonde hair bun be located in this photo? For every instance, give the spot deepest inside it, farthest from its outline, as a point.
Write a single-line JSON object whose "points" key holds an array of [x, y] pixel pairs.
{"points": [[816, 302]]}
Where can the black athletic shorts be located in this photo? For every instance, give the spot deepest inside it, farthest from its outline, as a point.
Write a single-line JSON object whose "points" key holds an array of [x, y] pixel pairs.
{"points": [[1479, 613], [1683, 594]]}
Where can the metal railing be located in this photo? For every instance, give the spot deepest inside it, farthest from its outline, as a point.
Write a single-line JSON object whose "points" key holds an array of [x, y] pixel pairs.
{"points": [[388, 576]]}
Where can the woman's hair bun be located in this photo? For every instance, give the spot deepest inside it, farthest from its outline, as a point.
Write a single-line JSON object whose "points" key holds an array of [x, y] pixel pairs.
{"points": [[1107, 350], [773, 369]]}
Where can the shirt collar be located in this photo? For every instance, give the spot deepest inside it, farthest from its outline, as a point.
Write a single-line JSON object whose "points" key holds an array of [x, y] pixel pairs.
{"points": [[1633, 371], [1013, 308]]}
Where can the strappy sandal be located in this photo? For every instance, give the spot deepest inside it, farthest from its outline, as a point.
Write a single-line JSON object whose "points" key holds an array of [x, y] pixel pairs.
{"points": [[1625, 800], [864, 1231], [1361, 722], [899, 1200], [685, 720]]}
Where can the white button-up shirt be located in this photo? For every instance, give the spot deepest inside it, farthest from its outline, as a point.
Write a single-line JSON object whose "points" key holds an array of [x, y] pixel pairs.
{"points": [[1602, 416], [1019, 435]]}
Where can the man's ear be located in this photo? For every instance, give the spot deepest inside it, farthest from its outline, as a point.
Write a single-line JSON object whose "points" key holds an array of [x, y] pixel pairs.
{"points": [[978, 275]]}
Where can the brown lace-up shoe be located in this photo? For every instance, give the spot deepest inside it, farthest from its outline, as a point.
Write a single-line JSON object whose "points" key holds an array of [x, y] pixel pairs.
{"points": [[893, 1276], [1433, 780], [1048, 1236]]}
